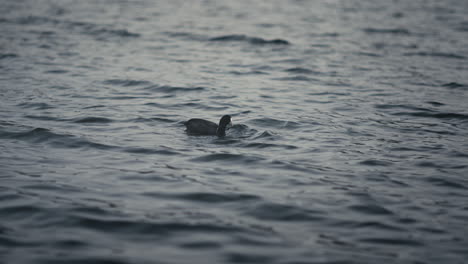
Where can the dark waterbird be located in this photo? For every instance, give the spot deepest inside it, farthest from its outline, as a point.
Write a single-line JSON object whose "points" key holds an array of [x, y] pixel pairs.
{"points": [[197, 126]]}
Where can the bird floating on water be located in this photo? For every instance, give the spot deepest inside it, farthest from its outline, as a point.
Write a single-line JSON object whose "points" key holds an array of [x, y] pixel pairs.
{"points": [[196, 126]]}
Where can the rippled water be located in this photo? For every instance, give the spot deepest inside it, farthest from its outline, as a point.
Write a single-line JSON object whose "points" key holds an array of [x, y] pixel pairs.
{"points": [[349, 144]]}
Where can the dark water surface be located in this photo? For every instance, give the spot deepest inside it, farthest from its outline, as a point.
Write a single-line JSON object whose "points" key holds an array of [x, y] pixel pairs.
{"points": [[349, 145]]}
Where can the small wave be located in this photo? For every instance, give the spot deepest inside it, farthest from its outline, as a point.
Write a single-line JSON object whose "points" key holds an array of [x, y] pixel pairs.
{"points": [[101, 32], [241, 131], [409, 107], [463, 26], [368, 54], [187, 105], [294, 61], [271, 122], [52, 187], [251, 40], [44, 117], [200, 245], [325, 35], [186, 35], [300, 70], [92, 119], [36, 135], [248, 73], [422, 112], [126, 82], [432, 230], [445, 182], [373, 162], [228, 140], [173, 89], [16, 242], [377, 225], [150, 151], [290, 166], [455, 85], [434, 115], [229, 38], [458, 154], [237, 257], [282, 212], [299, 78], [206, 197], [392, 241], [36, 106], [94, 106], [7, 56], [434, 103], [106, 32], [260, 145], [56, 71], [331, 94], [227, 157], [371, 209], [394, 31], [265, 134], [436, 54], [43, 33], [223, 97], [158, 105], [114, 97], [152, 119], [30, 20], [43, 135], [109, 224], [440, 132], [19, 211]]}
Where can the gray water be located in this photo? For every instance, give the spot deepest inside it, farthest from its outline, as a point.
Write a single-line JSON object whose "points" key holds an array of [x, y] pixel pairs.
{"points": [[349, 142]]}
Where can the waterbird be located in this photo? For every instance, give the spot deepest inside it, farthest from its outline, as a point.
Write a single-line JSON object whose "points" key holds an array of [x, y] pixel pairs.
{"points": [[196, 126]]}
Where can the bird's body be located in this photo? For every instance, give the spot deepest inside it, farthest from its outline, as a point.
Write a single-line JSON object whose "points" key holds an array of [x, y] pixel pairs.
{"points": [[196, 126], [201, 127]]}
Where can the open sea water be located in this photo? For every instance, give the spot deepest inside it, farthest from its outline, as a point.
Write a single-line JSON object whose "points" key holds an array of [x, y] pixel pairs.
{"points": [[349, 144]]}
